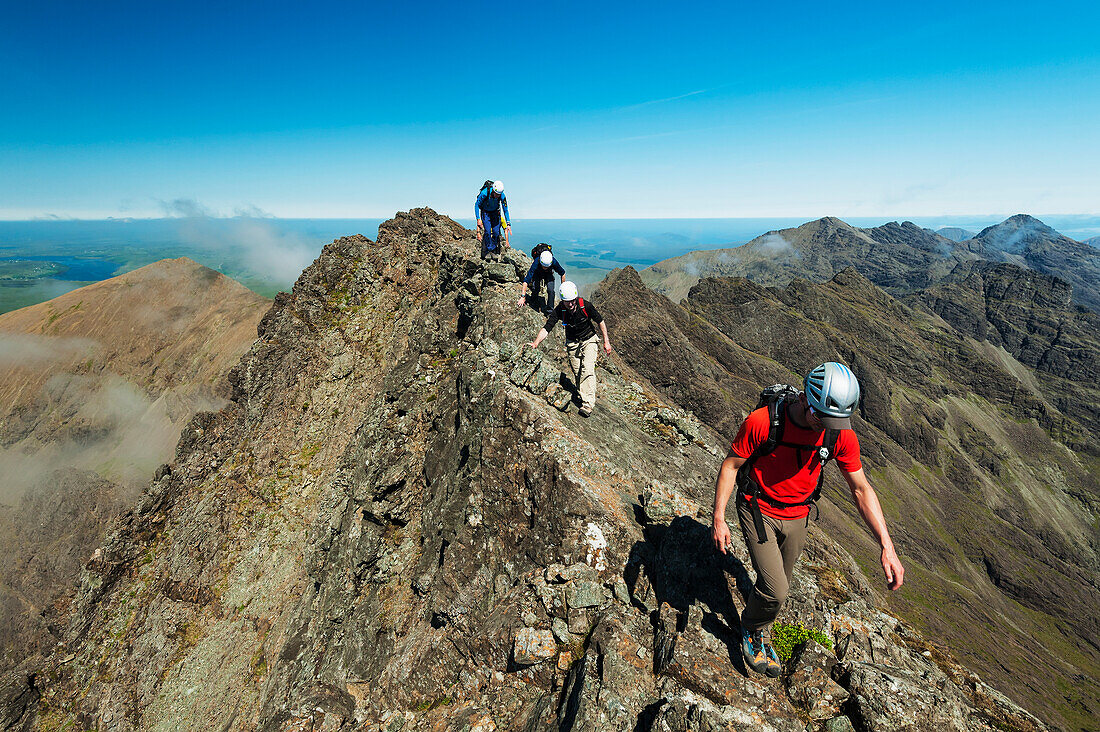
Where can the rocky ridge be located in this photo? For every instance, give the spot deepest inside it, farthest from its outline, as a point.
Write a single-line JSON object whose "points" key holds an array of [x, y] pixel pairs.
{"points": [[400, 523], [899, 258], [1028, 242]]}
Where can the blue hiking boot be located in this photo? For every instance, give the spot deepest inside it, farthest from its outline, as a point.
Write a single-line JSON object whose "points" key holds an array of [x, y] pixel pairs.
{"points": [[752, 648], [775, 666]]}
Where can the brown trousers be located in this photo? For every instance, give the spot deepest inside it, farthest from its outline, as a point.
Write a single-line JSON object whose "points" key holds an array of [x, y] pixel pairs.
{"points": [[773, 561]]}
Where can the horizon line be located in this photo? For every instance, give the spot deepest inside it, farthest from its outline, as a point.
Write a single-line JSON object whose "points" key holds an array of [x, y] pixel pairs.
{"points": [[60, 219]]}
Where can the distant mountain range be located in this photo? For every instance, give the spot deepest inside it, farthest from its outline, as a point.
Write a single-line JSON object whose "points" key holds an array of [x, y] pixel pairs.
{"points": [[95, 387], [897, 257]]}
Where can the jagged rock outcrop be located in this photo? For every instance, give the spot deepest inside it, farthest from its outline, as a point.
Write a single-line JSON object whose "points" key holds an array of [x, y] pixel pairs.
{"points": [[1026, 241], [1029, 316], [897, 257], [400, 523], [968, 447]]}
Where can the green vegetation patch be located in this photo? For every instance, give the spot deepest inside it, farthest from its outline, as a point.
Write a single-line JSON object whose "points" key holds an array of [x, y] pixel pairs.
{"points": [[786, 636]]}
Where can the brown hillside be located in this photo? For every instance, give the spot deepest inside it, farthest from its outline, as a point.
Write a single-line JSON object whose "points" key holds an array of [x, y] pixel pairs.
{"points": [[95, 387]]}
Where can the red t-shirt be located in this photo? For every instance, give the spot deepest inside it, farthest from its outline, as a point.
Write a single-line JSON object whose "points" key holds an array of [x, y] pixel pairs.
{"points": [[789, 474]]}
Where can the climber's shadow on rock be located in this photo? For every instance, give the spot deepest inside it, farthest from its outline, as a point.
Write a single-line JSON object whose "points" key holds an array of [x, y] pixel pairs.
{"points": [[677, 564], [565, 381], [539, 305]]}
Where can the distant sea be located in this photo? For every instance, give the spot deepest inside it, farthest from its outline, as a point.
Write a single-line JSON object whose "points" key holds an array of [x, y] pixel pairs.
{"points": [[267, 254]]}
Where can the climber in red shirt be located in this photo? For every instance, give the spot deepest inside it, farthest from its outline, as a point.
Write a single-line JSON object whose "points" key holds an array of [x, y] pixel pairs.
{"points": [[776, 462]]}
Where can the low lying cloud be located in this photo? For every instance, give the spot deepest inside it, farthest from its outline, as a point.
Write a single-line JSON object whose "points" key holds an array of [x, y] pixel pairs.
{"points": [[103, 424], [26, 349], [773, 244], [187, 208], [249, 236]]}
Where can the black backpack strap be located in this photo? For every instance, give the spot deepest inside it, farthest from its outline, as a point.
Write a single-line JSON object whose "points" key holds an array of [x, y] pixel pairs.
{"points": [[747, 487], [825, 453]]}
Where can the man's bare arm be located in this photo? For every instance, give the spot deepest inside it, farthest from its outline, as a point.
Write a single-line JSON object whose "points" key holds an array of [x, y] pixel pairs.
{"points": [[723, 489], [869, 508], [539, 338]]}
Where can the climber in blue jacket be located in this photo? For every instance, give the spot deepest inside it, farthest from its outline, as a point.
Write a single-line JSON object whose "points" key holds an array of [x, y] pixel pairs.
{"points": [[490, 201], [541, 272]]}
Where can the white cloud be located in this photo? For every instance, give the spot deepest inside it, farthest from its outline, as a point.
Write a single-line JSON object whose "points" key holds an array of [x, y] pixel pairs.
{"points": [[250, 236], [24, 349], [773, 244]]}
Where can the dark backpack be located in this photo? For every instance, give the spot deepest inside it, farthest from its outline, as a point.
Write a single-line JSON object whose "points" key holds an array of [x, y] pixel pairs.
{"points": [[539, 249], [486, 185], [776, 398]]}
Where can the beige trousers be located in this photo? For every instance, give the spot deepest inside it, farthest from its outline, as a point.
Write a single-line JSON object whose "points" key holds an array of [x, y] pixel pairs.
{"points": [[582, 359]]}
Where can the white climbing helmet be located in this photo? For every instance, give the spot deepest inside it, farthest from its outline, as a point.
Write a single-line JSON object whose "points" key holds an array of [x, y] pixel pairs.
{"points": [[498, 187], [546, 258], [568, 291], [833, 392]]}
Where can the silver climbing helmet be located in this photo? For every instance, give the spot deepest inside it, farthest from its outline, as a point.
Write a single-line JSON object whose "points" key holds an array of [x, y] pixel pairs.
{"points": [[833, 392]]}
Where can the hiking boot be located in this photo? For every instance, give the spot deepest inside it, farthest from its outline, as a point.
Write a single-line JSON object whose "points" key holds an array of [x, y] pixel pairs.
{"points": [[752, 648], [775, 667], [585, 411]]}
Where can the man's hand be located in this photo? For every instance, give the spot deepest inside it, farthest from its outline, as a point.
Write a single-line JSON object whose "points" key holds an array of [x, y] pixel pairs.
{"points": [[532, 344], [607, 347], [721, 535], [891, 567], [522, 299]]}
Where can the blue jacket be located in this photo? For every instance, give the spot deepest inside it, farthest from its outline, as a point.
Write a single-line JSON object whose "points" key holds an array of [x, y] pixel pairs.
{"points": [[544, 273], [485, 202]]}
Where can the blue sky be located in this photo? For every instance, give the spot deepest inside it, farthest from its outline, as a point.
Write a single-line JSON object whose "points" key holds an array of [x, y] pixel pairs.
{"points": [[585, 111]]}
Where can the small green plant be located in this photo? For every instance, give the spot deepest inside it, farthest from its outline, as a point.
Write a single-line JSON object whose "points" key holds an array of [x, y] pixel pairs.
{"points": [[427, 706], [786, 636]]}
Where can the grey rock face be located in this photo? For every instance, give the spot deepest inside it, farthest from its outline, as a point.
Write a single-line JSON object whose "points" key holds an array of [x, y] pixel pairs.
{"points": [[533, 646], [428, 543], [810, 684]]}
